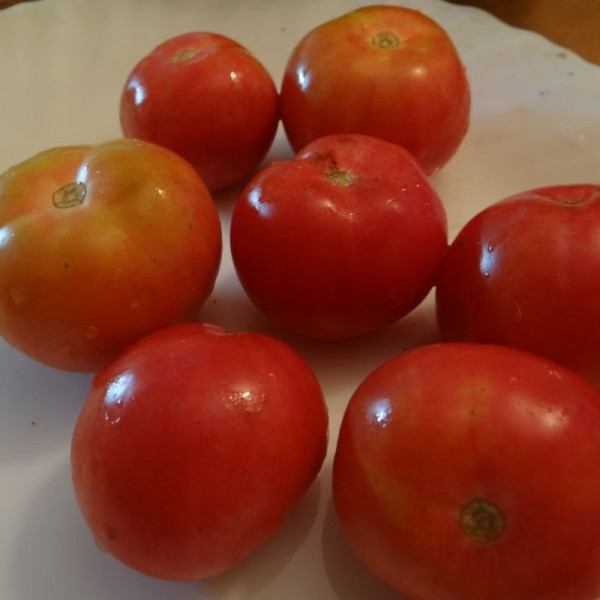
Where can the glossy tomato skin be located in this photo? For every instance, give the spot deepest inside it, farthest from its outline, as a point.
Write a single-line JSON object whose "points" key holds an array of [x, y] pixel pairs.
{"points": [[522, 273], [101, 245], [194, 445], [204, 96], [340, 241], [386, 71], [467, 471]]}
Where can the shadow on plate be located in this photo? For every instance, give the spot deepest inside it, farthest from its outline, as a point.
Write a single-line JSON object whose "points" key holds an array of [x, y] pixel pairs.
{"points": [[350, 578], [54, 556], [39, 406]]}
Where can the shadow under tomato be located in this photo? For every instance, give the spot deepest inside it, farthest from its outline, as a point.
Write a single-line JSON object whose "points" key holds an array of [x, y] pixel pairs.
{"points": [[39, 406], [340, 365], [350, 578], [266, 565], [53, 555]]}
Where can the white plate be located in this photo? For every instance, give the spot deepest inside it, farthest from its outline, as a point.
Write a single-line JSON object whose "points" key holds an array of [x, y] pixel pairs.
{"points": [[62, 64]]}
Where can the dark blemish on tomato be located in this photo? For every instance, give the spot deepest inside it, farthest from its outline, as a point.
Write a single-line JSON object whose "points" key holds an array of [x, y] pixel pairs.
{"points": [[482, 521]]}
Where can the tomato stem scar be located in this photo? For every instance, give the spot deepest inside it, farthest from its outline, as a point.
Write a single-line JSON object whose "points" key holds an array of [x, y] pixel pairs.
{"points": [[184, 54], [482, 521], [69, 195], [340, 177], [385, 40]]}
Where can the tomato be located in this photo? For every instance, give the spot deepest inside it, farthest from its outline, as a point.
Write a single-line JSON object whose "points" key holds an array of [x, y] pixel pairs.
{"points": [[182, 470], [100, 245], [385, 71], [340, 241], [522, 273], [206, 97], [468, 471]]}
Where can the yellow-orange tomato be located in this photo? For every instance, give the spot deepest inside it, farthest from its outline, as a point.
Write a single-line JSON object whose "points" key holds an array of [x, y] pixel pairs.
{"points": [[100, 245]]}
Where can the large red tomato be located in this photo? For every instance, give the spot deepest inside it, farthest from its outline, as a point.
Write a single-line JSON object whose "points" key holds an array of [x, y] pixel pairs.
{"points": [[100, 245], [206, 97], [386, 71], [468, 471], [193, 446], [344, 239], [523, 272]]}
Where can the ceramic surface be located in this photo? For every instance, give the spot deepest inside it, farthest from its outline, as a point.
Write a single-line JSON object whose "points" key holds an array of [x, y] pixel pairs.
{"points": [[62, 65]]}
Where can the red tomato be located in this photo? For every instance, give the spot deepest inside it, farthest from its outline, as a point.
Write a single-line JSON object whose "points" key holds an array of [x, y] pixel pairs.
{"points": [[523, 273], [385, 71], [469, 471], [344, 239], [193, 446], [100, 245], [207, 98]]}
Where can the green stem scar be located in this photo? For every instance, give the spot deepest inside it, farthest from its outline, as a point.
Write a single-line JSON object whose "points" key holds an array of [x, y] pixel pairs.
{"points": [[69, 195], [341, 177], [482, 521], [184, 54], [385, 40]]}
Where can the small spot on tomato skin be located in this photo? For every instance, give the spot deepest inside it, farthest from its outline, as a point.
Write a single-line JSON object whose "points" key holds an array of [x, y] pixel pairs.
{"points": [[109, 534], [325, 162]]}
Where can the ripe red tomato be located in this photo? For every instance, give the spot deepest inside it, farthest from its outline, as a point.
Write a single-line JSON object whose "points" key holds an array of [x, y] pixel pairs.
{"points": [[100, 245], [522, 273], [471, 471], [385, 71], [207, 98], [344, 239], [193, 446]]}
